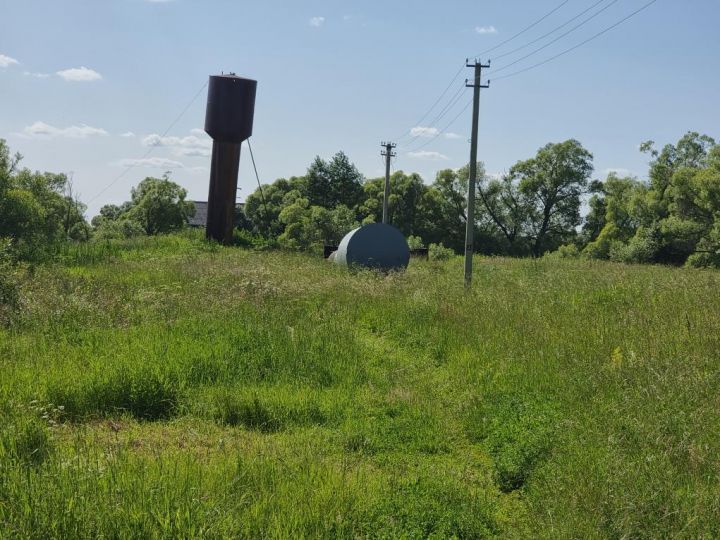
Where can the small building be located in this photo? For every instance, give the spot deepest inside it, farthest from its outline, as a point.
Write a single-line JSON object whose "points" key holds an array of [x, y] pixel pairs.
{"points": [[199, 220]]}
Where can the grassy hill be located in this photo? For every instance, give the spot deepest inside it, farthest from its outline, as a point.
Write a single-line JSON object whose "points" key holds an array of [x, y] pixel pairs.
{"points": [[167, 388]]}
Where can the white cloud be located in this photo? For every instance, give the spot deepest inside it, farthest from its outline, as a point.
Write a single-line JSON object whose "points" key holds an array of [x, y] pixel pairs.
{"points": [[154, 163], [199, 131], [6, 61], [452, 136], [41, 130], [317, 21], [127, 135], [36, 75], [484, 30], [421, 131], [190, 146], [81, 74], [428, 156]]}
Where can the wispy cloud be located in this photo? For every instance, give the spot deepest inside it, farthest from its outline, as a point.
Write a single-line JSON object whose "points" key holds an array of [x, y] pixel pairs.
{"points": [[428, 155], [81, 74], [190, 146], [41, 130], [36, 75], [6, 61], [452, 136], [317, 22], [485, 30], [152, 163], [421, 131], [127, 135]]}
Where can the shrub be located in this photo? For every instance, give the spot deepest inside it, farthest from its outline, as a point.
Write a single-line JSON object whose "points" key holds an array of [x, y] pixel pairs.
{"points": [[9, 287], [438, 252], [568, 251], [415, 242]]}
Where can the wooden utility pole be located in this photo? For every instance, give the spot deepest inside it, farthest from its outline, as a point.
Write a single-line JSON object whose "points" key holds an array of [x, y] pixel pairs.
{"points": [[472, 181], [388, 154]]}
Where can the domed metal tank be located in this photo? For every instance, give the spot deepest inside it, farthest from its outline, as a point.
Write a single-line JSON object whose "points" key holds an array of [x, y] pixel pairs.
{"points": [[376, 246]]}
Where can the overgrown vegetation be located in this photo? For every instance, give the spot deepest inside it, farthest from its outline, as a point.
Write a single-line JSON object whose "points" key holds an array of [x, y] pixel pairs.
{"points": [[534, 209], [167, 387]]}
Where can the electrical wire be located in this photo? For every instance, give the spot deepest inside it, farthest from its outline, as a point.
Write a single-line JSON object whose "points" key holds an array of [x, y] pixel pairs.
{"points": [[448, 126], [453, 101], [459, 71], [533, 53], [521, 32], [152, 148], [566, 51], [435, 104], [550, 32], [422, 143]]}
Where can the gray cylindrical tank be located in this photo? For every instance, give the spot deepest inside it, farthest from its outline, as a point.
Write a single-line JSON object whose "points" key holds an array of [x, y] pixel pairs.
{"points": [[377, 246], [230, 108]]}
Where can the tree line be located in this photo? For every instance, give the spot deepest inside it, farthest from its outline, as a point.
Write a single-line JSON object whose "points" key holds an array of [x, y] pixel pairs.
{"points": [[535, 208]]}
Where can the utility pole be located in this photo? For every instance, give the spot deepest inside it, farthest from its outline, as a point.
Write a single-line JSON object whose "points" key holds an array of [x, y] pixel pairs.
{"points": [[388, 154], [472, 181]]}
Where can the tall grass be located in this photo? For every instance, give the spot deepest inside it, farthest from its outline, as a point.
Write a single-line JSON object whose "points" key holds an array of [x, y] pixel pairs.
{"points": [[169, 388]]}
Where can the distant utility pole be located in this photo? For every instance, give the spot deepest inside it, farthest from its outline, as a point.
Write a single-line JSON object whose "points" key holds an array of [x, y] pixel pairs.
{"points": [[472, 182], [389, 154]]}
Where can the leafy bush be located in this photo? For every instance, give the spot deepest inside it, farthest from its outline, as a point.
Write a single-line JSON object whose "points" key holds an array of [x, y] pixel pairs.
{"points": [[9, 287], [568, 251], [415, 242], [438, 252], [642, 248]]}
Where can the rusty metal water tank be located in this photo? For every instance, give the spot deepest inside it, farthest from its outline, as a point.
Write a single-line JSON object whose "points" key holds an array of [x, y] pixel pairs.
{"points": [[376, 246], [230, 108]]}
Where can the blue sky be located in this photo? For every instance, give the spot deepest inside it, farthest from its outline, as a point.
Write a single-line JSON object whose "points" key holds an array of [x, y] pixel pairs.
{"points": [[88, 85]]}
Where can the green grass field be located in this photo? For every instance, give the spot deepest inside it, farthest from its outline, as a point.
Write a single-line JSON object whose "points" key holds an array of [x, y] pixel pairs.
{"points": [[171, 389]]}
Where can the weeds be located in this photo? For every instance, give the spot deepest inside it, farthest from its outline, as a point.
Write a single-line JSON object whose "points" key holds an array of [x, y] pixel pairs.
{"points": [[185, 389]]}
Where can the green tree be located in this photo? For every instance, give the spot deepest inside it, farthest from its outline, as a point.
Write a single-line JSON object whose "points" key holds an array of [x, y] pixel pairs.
{"points": [[338, 181], [405, 205], [551, 186], [159, 205], [37, 210]]}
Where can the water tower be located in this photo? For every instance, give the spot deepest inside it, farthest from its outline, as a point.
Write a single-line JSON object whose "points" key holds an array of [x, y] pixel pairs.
{"points": [[229, 121]]}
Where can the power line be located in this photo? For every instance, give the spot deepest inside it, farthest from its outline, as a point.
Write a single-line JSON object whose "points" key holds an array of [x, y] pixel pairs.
{"points": [[592, 38], [550, 32], [460, 70], [152, 148], [454, 100], [503, 68], [448, 126], [432, 107], [521, 32]]}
